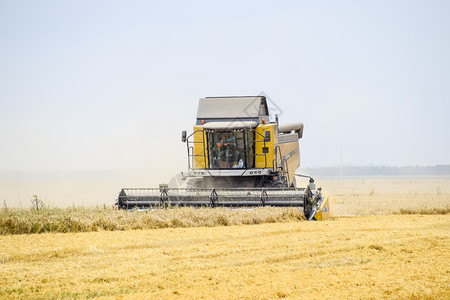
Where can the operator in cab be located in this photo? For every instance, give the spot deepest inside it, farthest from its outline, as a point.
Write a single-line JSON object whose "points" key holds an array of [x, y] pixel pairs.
{"points": [[228, 152]]}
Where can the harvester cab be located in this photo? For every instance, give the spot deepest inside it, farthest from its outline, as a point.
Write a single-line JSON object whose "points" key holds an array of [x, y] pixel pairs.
{"points": [[237, 157], [233, 137]]}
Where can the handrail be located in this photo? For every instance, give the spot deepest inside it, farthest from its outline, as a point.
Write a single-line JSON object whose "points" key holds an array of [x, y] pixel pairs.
{"points": [[277, 151], [191, 156], [286, 169], [264, 141]]}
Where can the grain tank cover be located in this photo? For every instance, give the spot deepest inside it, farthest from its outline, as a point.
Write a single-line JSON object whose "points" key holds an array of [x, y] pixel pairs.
{"points": [[249, 108]]}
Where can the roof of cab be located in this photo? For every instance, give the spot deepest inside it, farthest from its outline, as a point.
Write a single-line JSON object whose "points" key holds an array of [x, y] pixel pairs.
{"points": [[242, 107]]}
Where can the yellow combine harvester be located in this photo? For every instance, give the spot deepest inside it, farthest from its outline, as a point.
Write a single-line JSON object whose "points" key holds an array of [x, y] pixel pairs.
{"points": [[236, 158]]}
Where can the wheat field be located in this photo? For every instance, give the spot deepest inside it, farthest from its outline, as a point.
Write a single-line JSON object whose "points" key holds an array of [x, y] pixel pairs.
{"points": [[395, 256], [385, 252], [382, 196]]}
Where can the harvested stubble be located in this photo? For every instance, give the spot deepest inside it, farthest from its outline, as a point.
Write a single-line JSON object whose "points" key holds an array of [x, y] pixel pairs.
{"points": [[402, 256], [24, 221], [371, 257]]}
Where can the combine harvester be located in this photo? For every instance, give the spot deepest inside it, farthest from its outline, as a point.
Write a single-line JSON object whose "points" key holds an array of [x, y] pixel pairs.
{"points": [[236, 158]]}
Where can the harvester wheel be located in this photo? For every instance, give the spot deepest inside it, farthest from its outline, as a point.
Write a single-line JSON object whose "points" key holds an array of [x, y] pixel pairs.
{"points": [[308, 203], [277, 184]]}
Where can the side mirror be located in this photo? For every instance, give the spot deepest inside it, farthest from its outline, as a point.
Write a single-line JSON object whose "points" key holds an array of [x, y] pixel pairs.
{"points": [[183, 136], [267, 136]]}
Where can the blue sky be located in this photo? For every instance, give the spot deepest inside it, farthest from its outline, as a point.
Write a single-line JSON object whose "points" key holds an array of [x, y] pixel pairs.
{"points": [[111, 84]]}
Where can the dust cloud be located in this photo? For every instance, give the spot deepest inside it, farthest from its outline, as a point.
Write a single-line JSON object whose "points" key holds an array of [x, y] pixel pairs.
{"points": [[77, 188]]}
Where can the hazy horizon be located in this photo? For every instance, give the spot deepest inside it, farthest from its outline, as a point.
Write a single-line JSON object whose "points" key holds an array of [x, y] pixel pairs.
{"points": [[110, 85]]}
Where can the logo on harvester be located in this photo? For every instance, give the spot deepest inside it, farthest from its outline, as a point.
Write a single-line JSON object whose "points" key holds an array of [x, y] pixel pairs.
{"points": [[273, 108]]}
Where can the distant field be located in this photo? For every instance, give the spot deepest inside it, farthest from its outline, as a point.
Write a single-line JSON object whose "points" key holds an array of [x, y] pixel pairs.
{"points": [[371, 196]]}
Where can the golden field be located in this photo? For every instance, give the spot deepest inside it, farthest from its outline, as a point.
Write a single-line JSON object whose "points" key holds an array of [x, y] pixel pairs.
{"points": [[396, 256], [375, 255]]}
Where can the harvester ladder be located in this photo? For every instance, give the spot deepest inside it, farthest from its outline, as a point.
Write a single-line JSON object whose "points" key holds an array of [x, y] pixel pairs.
{"points": [[284, 167]]}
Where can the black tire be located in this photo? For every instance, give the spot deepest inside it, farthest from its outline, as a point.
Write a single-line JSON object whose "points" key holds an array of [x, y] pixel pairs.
{"points": [[277, 184]]}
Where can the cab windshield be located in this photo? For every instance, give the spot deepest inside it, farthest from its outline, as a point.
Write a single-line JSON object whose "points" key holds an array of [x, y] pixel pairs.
{"points": [[230, 149]]}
